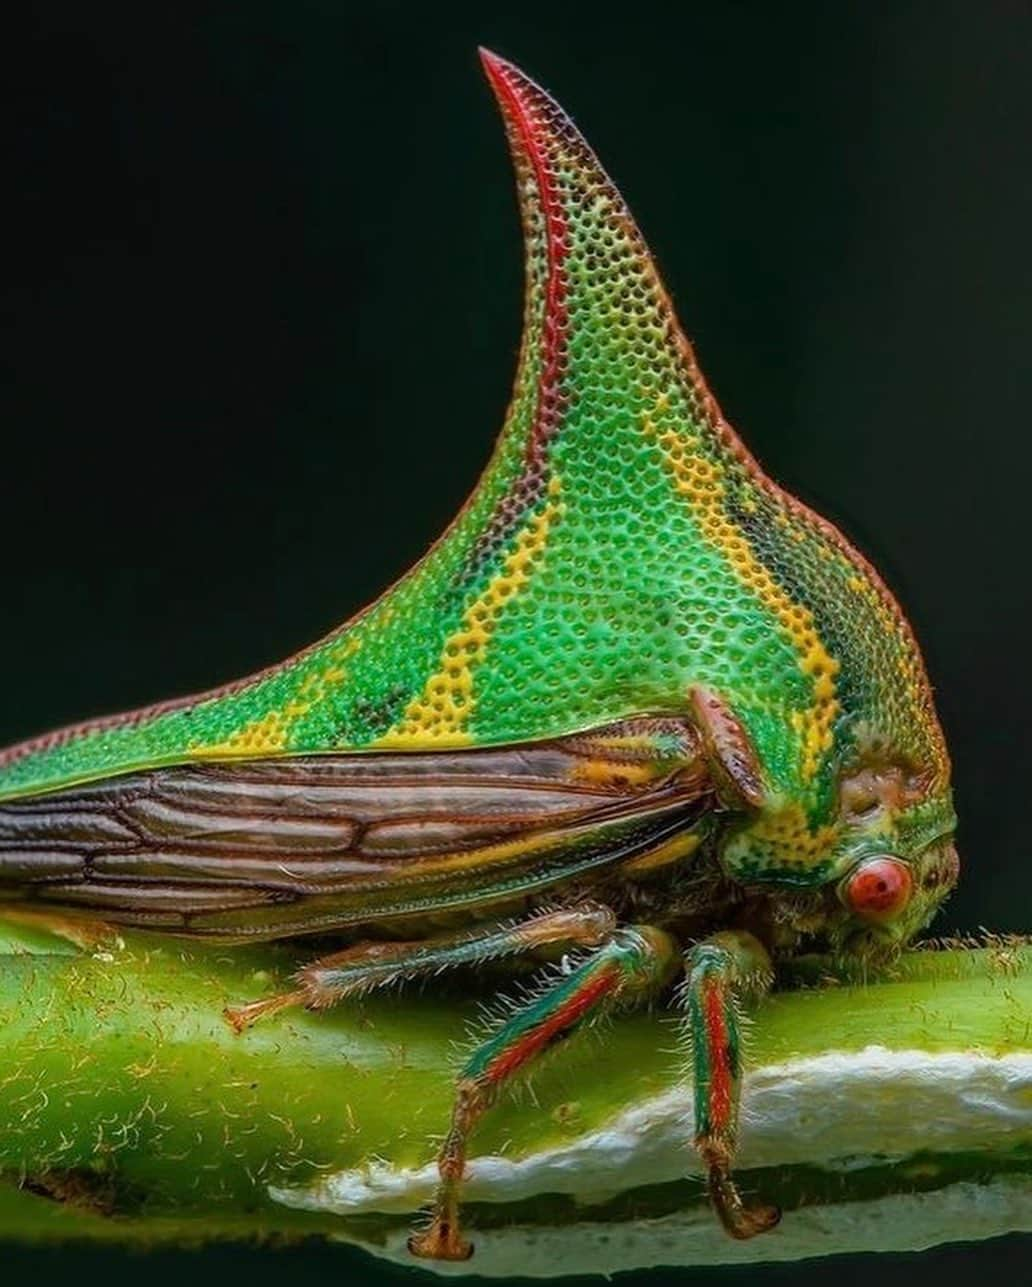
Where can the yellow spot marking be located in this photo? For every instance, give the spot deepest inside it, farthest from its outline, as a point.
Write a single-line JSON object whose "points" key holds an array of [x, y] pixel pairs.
{"points": [[440, 714], [613, 773], [787, 831], [671, 851], [701, 482]]}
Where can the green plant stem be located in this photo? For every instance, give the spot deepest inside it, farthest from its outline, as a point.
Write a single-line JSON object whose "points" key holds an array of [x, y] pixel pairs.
{"points": [[126, 1096]]}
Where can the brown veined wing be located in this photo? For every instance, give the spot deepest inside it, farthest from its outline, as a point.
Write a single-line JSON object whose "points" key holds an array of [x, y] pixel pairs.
{"points": [[272, 848]]}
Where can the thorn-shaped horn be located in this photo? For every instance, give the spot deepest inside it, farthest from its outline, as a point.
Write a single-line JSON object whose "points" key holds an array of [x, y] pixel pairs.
{"points": [[535, 126], [620, 548], [599, 328]]}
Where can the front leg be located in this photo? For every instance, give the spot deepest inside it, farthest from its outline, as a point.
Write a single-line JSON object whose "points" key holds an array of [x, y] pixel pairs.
{"points": [[633, 966], [359, 969], [720, 972]]}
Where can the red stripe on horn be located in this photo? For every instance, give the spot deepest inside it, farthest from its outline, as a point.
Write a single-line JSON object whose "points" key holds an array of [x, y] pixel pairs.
{"points": [[514, 91]]}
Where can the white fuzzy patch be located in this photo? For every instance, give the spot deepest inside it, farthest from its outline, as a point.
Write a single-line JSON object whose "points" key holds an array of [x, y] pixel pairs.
{"points": [[836, 1111]]}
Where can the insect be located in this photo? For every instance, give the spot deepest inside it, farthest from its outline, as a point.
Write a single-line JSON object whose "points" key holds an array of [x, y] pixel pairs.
{"points": [[637, 704]]}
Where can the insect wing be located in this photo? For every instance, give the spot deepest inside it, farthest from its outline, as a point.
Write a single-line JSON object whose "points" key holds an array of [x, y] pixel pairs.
{"points": [[290, 846]]}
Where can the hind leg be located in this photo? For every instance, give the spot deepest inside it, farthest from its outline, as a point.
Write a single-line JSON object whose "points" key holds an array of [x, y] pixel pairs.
{"points": [[366, 966], [632, 966]]}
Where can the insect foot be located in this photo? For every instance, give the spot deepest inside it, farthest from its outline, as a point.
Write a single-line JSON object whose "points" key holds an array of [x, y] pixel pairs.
{"points": [[440, 1241], [740, 1219], [632, 968]]}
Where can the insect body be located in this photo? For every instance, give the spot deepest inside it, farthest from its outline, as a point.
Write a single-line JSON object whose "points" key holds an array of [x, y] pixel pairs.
{"points": [[637, 700]]}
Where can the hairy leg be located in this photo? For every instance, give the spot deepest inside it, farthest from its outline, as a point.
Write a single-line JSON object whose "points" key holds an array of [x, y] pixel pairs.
{"points": [[720, 972], [366, 966], [634, 965]]}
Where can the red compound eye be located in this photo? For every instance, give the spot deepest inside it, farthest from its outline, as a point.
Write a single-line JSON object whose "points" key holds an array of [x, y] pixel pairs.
{"points": [[879, 889]]}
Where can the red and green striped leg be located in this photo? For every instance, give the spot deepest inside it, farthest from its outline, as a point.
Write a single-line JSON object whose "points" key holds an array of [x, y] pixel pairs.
{"points": [[366, 966], [632, 967], [721, 972]]}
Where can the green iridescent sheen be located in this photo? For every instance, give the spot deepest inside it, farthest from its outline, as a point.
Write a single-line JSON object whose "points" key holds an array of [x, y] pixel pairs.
{"points": [[664, 559]]}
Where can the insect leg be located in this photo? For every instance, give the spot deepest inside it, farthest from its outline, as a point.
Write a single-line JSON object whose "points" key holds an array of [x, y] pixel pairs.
{"points": [[720, 972], [633, 965], [366, 966]]}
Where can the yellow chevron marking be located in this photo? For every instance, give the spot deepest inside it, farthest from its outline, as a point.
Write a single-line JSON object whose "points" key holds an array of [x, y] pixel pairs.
{"points": [[270, 733], [441, 713], [701, 482]]}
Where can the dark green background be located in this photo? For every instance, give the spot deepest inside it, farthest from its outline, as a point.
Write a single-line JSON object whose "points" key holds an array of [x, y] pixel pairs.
{"points": [[262, 293]]}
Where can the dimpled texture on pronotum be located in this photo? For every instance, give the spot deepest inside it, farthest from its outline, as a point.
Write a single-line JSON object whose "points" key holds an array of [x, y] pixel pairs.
{"points": [[621, 547]]}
